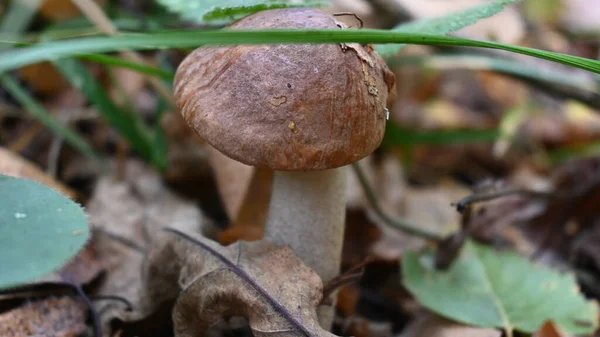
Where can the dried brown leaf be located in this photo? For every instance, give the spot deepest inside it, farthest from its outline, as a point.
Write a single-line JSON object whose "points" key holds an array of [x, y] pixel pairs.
{"points": [[265, 283], [57, 317], [126, 215], [43, 77], [549, 329], [14, 165], [61, 10]]}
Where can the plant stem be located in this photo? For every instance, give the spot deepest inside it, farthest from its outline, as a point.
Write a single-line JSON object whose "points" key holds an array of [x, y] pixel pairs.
{"points": [[398, 223]]}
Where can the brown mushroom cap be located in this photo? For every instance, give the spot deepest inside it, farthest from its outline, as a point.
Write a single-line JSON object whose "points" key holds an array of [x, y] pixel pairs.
{"points": [[287, 107]]}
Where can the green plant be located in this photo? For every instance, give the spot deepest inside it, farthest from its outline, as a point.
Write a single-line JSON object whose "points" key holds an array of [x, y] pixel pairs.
{"points": [[40, 230]]}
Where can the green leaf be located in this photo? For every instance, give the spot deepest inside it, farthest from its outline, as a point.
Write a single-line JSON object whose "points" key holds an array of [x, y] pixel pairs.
{"points": [[446, 24], [122, 63], [488, 288], [40, 230], [511, 67], [223, 11], [396, 135], [130, 125], [16, 58]]}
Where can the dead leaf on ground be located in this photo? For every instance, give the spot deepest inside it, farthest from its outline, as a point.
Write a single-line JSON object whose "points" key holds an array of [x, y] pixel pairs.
{"points": [[43, 77], [549, 329], [14, 165], [432, 325], [57, 317], [61, 10], [267, 284], [126, 216]]}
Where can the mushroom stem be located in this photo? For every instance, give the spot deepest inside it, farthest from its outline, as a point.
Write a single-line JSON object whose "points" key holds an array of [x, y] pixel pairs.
{"points": [[308, 212]]}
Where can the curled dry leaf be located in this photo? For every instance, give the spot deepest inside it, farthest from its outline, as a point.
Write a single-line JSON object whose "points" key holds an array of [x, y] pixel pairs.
{"points": [[261, 281], [57, 317]]}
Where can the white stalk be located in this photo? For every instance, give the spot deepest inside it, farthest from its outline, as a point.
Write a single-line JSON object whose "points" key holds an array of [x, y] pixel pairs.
{"points": [[307, 212]]}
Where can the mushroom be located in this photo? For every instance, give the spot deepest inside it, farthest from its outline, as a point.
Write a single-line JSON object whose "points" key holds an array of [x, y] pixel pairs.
{"points": [[303, 110]]}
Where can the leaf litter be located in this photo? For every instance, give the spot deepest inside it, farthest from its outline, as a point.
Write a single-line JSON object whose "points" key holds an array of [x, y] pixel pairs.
{"points": [[184, 281]]}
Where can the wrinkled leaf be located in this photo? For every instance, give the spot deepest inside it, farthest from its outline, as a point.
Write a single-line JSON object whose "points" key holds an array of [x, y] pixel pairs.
{"points": [[499, 289], [127, 214], [40, 230], [223, 11], [446, 24], [57, 317], [265, 283]]}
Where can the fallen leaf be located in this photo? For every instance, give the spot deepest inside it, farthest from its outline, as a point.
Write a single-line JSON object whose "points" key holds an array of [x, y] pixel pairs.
{"points": [[488, 288], [14, 165], [128, 215], [267, 284], [61, 10], [56, 317], [43, 77], [550, 329], [432, 325]]}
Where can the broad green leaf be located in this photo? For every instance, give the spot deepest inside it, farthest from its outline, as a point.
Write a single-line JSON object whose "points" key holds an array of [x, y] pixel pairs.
{"points": [[446, 24], [488, 288], [223, 11], [16, 58], [40, 230], [130, 125]]}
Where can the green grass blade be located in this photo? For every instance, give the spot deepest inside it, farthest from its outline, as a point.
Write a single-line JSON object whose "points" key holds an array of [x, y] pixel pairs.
{"points": [[446, 24], [44, 116], [225, 11], [55, 50], [130, 126], [121, 63], [18, 17], [481, 62], [396, 135]]}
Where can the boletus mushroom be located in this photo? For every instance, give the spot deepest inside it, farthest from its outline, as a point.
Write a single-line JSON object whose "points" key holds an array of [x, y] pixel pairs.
{"points": [[303, 110]]}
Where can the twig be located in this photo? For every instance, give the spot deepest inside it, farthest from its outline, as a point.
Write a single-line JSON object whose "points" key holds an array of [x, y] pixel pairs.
{"points": [[398, 223], [350, 276], [468, 201]]}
